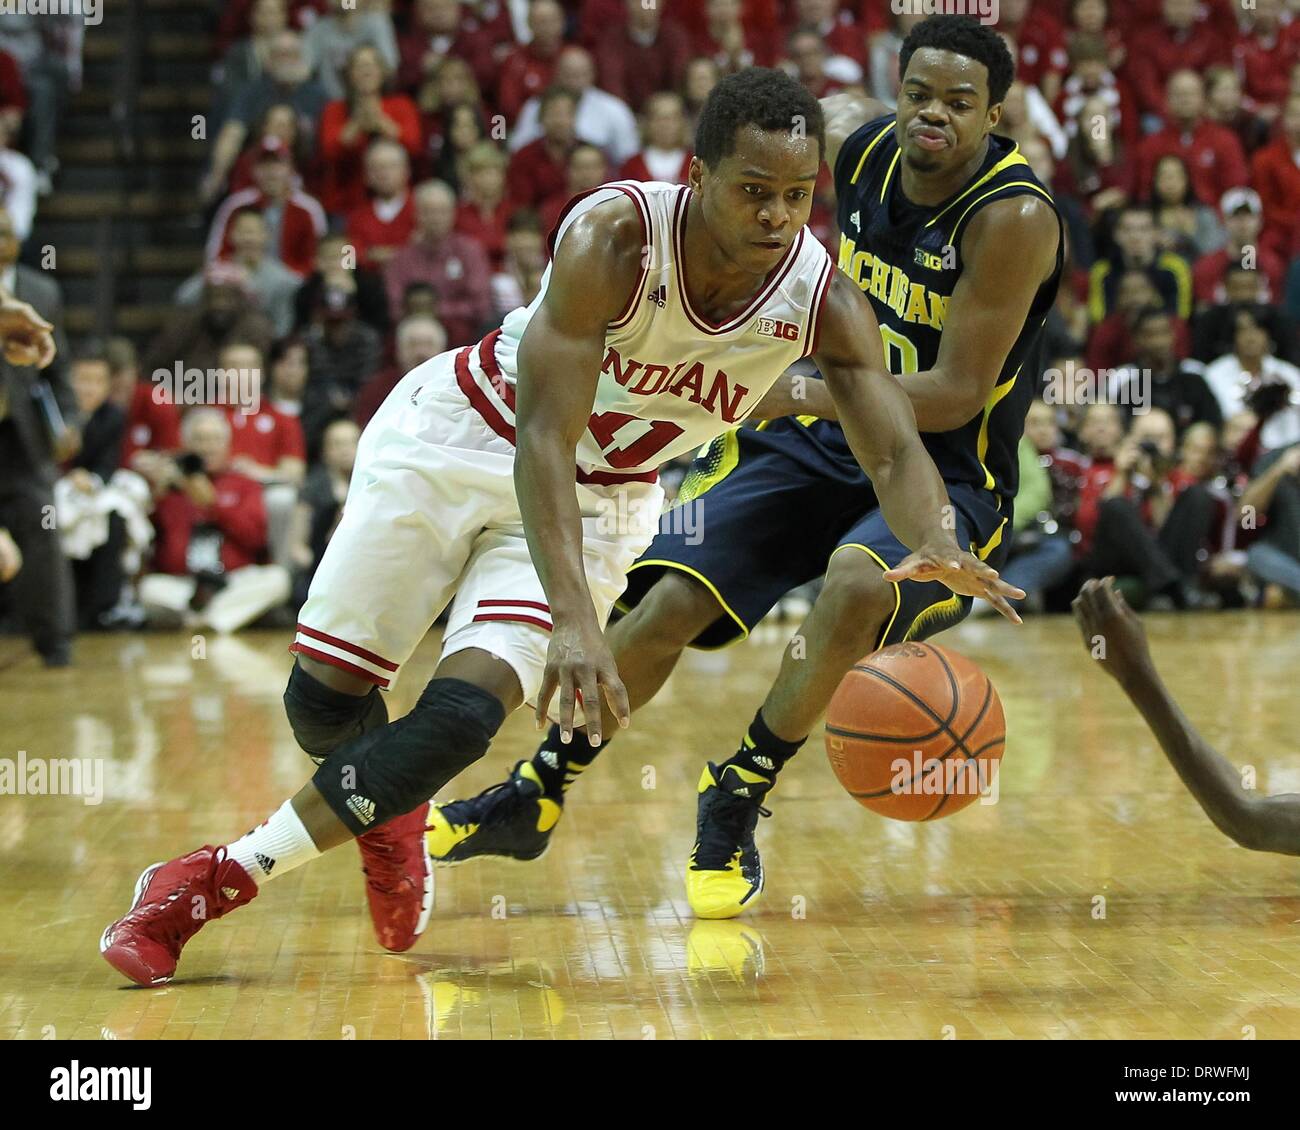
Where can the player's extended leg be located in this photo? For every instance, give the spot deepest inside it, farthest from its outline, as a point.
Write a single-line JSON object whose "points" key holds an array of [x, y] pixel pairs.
{"points": [[725, 873], [857, 612], [515, 819]]}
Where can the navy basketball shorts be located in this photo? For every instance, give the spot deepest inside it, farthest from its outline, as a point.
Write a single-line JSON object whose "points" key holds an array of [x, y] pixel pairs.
{"points": [[764, 509]]}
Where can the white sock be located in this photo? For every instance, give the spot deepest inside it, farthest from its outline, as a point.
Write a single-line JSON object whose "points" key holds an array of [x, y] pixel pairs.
{"points": [[274, 847]]}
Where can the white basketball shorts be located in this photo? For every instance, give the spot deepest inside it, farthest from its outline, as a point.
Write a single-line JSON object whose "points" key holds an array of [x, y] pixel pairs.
{"points": [[431, 513]]}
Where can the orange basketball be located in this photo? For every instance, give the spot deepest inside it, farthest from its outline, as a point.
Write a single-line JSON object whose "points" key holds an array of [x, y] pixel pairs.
{"points": [[915, 732]]}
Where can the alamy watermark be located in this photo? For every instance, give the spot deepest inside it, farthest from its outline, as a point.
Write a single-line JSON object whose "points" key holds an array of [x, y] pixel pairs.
{"points": [[1080, 386], [60, 776], [986, 11], [239, 388], [91, 11], [968, 776], [619, 514]]}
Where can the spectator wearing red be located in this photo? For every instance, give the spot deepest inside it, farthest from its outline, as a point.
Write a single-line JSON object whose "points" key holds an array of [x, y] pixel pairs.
{"points": [[1091, 77], [587, 170], [351, 123], [1090, 19], [418, 338], [454, 264], [1112, 343], [666, 156], [294, 220], [1264, 57], [538, 170], [1275, 173], [528, 70], [13, 94], [452, 84], [731, 42], [211, 526], [844, 39], [266, 444], [224, 504], [1242, 214], [386, 220], [1096, 169], [1039, 40], [1212, 153], [279, 123], [807, 52], [484, 211], [441, 29], [641, 54], [1179, 43], [153, 422]]}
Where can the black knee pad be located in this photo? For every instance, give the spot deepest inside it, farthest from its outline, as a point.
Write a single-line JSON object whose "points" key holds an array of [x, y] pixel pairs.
{"points": [[322, 719], [389, 771]]}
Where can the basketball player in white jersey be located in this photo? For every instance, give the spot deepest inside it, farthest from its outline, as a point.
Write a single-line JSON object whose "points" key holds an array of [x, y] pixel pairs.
{"points": [[519, 477]]}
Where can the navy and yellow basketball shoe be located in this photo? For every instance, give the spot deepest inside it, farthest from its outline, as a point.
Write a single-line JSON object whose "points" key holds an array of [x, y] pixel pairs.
{"points": [[725, 874], [510, 820]]}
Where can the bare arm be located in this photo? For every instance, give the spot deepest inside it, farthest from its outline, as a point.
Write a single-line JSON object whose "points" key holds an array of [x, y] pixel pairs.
{"points": [[1259, 493], [1113, 633], [1008, 251], [845, 112], [881, 430], [594, 270], [795, 396]]}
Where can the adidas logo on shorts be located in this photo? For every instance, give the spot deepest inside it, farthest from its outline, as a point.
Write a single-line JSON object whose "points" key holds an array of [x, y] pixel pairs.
{"points": [[361, 808]]}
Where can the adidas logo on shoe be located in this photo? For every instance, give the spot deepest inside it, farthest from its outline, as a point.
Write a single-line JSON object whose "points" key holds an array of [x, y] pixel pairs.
{"points": [[764, 762], [230, 892], [742, 791], [362, 808], [550, 757], [265, 862]]}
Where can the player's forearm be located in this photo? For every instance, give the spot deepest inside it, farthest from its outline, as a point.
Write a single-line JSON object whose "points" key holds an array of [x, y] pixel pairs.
{"points": [[913, 499], [936, 407], [1210, 777], [548, 504], [796, 396]]}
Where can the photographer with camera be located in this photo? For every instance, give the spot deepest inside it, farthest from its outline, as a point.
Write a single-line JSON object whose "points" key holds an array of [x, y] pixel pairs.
{"points": [[1137, 520], [211, 536]]}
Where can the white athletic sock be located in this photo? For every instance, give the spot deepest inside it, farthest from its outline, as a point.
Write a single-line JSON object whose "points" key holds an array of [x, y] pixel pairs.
{"points": [[275, 847]]}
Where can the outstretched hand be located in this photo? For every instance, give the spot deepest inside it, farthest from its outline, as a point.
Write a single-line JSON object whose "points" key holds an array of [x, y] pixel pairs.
{"points": [[1111, 630], [962, 572]]}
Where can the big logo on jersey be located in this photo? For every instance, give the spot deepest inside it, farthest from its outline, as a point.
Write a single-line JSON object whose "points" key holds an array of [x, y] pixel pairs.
{"points": [[723, 397]]}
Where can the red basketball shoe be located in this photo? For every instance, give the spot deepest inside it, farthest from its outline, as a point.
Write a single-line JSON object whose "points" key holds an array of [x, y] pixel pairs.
{"points": [[399, 879], [172, 902]]}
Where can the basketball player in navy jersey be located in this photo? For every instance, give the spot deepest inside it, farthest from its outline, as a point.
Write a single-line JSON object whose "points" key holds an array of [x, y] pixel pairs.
{"points": [[517, 479], [959, 248], [1260, 823]]}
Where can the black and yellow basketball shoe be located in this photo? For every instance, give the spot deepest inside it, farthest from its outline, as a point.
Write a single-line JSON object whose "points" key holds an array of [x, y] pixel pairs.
{"points": [[510, 820], [725, 873]]}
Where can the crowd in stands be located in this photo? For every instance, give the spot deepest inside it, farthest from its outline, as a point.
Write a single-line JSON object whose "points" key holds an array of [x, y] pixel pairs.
{"points": [[384, 176]]}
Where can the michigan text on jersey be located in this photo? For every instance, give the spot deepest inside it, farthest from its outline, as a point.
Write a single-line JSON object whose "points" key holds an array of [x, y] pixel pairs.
{"points": [[893, 286]]}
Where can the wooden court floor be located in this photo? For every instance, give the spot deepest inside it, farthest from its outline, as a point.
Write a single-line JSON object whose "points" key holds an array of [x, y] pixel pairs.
{"points": [[1092, 900]]}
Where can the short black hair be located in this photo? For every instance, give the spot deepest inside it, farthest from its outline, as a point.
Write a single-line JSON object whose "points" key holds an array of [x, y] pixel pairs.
{"points": [[757, 96], [964, 36]]}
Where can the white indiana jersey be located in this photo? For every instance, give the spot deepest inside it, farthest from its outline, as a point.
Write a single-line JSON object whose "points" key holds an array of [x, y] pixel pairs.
{"points": [[670, 380]]}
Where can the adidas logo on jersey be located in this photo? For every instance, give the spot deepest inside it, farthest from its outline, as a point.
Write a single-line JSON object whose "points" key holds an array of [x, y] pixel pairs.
{"points": [[362, 808], [265, 862], [659, 296], [855, 221]]}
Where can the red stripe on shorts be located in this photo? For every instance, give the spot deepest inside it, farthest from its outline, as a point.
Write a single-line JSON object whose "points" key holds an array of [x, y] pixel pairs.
{"points": [[334, 661], [511, 616], [370, 656]]}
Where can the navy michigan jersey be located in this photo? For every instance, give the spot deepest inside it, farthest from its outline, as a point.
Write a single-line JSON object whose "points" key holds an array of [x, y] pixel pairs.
{"points": [[907, 258]]}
